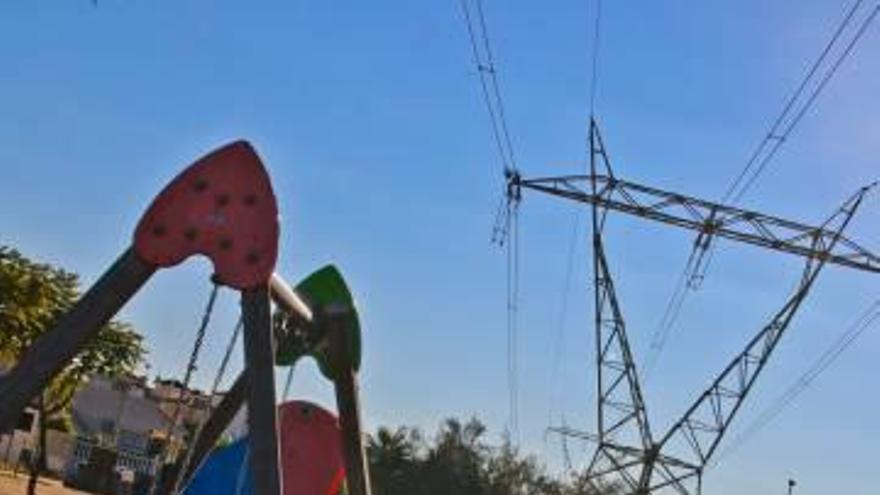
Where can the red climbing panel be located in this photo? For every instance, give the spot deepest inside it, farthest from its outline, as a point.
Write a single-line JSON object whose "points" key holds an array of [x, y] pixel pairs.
{"points": [[223, 207], [311, 450]]}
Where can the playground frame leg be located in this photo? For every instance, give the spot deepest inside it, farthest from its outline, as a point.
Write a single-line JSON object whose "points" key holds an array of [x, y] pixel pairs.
{"points": [[52, 351], [262, 412], [348, 405]]}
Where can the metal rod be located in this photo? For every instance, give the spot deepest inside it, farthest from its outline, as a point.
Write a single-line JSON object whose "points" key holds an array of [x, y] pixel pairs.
{"points": [[262, 412], [347, 403], [55, 348], [284, 296]]}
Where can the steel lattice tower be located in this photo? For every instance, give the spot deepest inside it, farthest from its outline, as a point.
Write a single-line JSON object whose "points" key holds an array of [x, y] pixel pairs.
{"points": [[628, 454]]}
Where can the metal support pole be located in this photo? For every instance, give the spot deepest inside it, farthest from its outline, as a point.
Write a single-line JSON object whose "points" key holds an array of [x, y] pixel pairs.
{"points": [[262, 412], [287, 299], [54, 349], [284, 297], [347, 403]]}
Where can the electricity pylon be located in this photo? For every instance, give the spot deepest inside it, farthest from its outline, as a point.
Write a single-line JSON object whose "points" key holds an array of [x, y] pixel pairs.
{"points": [[628, 455]]}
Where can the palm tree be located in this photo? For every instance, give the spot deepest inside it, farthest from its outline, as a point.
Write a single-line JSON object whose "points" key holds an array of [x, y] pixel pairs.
{"points": [[392, 457]]}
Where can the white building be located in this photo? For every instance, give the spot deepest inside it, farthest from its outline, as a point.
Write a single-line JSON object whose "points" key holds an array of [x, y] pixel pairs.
{"points": [[119, 414], [22, 437]]}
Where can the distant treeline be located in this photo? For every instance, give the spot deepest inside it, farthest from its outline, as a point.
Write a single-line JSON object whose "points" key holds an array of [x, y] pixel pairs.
{"points": [[458, 461]]}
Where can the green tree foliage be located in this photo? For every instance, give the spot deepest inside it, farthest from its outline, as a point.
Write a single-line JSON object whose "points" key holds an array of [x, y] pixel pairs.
{"points": [[32, 297], [458, 460]]}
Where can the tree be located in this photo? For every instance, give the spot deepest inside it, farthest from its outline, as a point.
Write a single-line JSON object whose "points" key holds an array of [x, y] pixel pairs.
{"points": [[393, 459], [507, 472], [32, 297], [459, 461], [454, 464]]}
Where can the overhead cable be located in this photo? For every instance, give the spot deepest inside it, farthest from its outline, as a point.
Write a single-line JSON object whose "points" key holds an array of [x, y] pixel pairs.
{"points": [[864, 322]]}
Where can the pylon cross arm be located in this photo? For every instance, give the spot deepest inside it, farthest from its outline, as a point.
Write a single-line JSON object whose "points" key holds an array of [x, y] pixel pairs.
{"points": [[709, 218]]}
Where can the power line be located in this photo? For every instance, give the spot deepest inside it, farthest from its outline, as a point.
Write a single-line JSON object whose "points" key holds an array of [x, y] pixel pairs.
{"points": [[506, 219], [485, 63], [558, 343], [667, 322], [493, 78], [594, 77], [778, 140], [766, 150], [563, 313], [865, 321], [773, 135], [563, 310], [512, 319]]}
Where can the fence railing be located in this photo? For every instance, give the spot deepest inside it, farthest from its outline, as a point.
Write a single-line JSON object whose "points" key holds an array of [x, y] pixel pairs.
{"points": [[135, 461]]}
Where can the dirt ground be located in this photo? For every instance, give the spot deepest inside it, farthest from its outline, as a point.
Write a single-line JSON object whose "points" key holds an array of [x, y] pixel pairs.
{"points": [[10, 485]]}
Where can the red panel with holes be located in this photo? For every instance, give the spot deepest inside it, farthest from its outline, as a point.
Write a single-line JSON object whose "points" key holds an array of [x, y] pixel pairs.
{"points": [[311, 450], [222, 207]]}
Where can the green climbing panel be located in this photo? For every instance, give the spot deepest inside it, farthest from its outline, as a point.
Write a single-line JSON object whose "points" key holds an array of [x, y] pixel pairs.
{"points": [[319, 290]]}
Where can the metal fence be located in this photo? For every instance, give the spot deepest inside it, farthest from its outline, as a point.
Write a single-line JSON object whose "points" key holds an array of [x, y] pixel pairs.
{"points": [[126, 459]]}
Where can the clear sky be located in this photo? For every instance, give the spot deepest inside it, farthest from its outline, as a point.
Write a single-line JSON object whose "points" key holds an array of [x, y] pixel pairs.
{"points": [[370, 120]]}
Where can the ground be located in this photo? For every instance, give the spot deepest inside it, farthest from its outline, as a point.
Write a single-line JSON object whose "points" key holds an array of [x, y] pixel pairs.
{"points": [[10, 485]]}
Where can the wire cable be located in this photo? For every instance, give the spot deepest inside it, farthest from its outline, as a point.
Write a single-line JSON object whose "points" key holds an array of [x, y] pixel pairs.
{"points": [[512, 320], [559, 340], [506, 221], [667, 322], [865, 321], [488, 74], [287, 383], [773, 135], [493, 78], [594, 77], [779, 140], [702, 253]]}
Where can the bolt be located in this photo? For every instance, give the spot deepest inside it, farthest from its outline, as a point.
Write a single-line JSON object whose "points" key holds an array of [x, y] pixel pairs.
{"points": [[159, 230], [253, 257], [191, 234], [225, 244], [223, 200], [250, 199]]}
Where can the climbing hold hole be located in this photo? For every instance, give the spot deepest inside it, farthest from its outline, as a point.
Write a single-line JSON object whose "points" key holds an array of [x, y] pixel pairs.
{"points": [[253, 257], [200, 185]]}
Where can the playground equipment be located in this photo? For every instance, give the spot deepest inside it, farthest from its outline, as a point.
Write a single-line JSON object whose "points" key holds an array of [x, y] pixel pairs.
{"points": [[222, 207], [312, 459], [318, 319]]}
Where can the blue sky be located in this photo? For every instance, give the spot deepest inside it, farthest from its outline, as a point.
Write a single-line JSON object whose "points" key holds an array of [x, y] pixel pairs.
{"points": [[370, 120]]}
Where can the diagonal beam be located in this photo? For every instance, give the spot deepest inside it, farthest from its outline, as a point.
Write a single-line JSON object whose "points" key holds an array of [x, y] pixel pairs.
{"points": [[702, 427]]}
